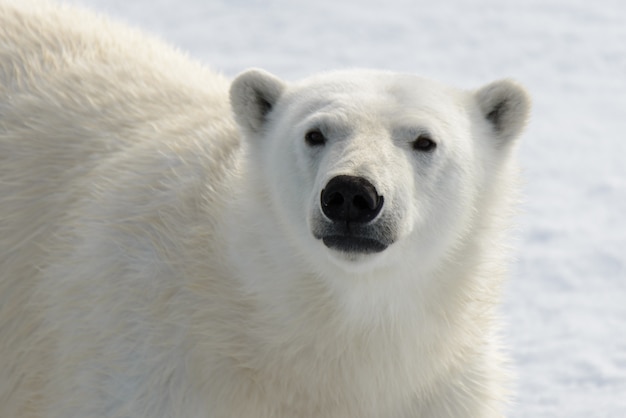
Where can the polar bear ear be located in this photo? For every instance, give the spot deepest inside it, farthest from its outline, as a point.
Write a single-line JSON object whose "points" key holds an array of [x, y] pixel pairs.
{"points": [[253, 95], [506, 106]]}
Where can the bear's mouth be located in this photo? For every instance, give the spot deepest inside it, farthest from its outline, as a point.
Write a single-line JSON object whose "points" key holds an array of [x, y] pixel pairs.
{"points": [[353, 244], [353, 238]]}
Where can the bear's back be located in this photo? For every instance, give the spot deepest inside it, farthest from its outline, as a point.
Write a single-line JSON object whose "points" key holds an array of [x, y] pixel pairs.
{"points": [[83, 102], [77, 92]]}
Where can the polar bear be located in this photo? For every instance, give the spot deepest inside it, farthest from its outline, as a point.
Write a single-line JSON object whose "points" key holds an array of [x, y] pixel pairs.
{"points": [[177, 245]]}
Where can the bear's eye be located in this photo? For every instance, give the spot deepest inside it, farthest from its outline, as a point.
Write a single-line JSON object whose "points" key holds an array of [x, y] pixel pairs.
{"points": [[315, 138], [424, 143]]}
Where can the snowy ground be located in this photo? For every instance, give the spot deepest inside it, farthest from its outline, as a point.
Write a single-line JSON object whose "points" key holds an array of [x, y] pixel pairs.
{"points": [[566, 303]]}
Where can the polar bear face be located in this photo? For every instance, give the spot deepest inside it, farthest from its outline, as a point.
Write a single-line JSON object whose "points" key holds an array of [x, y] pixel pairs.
{"points": [[370, 167]]}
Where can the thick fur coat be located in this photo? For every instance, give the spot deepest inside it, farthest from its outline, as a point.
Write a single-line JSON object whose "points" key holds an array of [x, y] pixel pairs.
{"points": [[164, 251]]}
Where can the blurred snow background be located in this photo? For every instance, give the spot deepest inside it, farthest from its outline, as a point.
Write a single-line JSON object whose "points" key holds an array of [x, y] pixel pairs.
{"points": [[566, 300]]}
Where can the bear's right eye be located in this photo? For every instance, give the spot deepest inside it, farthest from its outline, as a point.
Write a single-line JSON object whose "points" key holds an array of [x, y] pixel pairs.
{"points": [[315, 138], [424, 143]]}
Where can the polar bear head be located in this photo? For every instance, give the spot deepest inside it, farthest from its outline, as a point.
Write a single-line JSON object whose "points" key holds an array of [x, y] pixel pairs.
{"points": [[367, 167]]}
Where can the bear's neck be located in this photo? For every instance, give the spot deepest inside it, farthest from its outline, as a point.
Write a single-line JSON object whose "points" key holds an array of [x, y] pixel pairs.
{"points": [[318, 341], [353, 333]]}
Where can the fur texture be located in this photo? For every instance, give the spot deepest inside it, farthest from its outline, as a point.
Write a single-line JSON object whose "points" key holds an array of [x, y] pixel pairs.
{"points": [[162, 252]]}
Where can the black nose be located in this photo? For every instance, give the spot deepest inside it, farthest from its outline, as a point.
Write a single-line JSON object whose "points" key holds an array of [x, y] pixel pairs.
{"points": [[350, 199]]}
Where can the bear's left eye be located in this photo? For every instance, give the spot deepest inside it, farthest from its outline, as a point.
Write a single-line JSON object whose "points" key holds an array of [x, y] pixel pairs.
{"points": [[315, 138], [424, 143]]}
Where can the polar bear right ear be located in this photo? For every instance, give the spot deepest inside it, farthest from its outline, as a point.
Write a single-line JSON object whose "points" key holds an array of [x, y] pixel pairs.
{"points": [[506, 106], [253, 95]]}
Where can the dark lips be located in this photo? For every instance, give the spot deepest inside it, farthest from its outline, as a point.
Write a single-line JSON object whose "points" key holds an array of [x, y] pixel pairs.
{"points": [[352, 244]]}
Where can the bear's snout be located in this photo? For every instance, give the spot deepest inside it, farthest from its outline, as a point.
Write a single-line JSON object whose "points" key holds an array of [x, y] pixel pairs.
{"points": [[350, 199]]}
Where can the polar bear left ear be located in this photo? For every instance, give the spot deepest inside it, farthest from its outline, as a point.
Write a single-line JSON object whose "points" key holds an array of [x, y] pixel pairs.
{"points": [[506, 106], [253, 95]]}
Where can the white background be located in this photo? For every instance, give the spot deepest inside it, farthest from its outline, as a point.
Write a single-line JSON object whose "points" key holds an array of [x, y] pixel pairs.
{"points": [[565, 305]]}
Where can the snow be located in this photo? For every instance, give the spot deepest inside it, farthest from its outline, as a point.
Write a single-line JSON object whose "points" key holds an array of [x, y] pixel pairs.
{"points": [[566, 301]]}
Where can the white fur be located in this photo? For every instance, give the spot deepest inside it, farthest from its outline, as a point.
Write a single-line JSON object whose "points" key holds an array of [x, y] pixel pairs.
{"points": [[154, 265]]}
